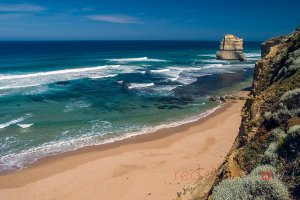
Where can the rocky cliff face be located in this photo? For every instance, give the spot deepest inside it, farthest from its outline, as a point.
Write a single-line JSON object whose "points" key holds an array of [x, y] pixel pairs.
{"points": [[269, 137], [270, 129], [231, 48]]}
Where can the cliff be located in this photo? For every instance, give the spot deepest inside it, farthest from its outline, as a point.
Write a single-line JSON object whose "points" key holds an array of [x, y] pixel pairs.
{"points": [[231, 48], [269, 132], [264, 161]]}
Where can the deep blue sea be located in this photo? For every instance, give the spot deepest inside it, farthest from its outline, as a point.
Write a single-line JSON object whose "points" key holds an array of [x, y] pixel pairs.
{"points": [[61, 96]]}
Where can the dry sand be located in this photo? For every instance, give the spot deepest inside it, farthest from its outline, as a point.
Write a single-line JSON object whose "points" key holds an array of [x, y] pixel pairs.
{"points": [[153, 166]]}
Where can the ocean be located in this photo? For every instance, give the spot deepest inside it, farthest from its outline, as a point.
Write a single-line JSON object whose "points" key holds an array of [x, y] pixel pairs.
{"points": [[64, 95]]}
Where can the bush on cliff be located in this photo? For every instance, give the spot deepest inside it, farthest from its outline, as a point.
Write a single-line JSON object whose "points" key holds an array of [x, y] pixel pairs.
{"points": [[291, 99], [270, 156], [277, 134], [252, 187], [291, 144]]}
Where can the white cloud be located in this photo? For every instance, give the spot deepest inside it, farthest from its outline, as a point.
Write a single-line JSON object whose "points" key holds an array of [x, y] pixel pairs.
{"points": [[21, 8], [121, 19]]}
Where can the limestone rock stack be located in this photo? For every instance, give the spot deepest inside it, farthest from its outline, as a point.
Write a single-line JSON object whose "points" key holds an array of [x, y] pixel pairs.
{"points": [[231, 48]]}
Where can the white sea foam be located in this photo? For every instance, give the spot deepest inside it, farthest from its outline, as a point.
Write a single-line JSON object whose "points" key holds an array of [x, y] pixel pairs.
{"points": [[17, 86], [41, 78], [76, 105], [189, 74], [253, 55], [141, 59], [17, 161], [39, 74], [214, 61], [105, 76], [165, 90], [186, 75], [159, 71], [139, 85], [14, 121], [213, 66], [24, 125], [208, 55], [36, 90]]}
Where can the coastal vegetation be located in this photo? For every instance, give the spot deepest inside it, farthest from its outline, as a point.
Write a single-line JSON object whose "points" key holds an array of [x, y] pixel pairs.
{"points": [[264, 161], [252, 186], [269, 136]]}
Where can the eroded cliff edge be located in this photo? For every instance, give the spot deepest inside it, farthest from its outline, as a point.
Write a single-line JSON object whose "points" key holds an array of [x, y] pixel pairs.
{"points": [[269, 132], [269, 135]]}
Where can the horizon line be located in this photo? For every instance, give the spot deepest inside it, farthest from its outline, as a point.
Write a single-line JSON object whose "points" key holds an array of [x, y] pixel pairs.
{"points": [[122, 40]]}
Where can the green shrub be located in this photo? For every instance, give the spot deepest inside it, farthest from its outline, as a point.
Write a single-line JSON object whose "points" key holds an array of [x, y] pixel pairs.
{"points": [[230, 189], [294, 67], [283, 115], [251, 187], [294, 130], [291, 145], [262, 168], [291, 99], [268, 116], [296, 53], [293, 139], [281, 73], [270, 156], [277, 134]]}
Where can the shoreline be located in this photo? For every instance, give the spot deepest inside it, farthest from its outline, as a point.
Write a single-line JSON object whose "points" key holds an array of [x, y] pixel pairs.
{"points": [[151, 158], [124, 139], [132, 139]]}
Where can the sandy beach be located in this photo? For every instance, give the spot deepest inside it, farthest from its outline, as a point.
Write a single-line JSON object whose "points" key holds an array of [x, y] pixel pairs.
{"points": [[152, 166]]}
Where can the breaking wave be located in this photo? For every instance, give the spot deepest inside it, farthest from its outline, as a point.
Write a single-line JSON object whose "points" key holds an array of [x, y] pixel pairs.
{"points": [[141, 59], [40, 78], [17, 161], [139, 85]]}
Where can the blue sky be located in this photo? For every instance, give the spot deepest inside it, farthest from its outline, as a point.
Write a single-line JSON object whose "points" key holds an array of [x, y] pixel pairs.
{"points": [[145, 19]]}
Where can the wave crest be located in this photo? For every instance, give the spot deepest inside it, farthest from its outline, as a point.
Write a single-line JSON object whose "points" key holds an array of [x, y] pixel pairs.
{"points": [[141, 59]]}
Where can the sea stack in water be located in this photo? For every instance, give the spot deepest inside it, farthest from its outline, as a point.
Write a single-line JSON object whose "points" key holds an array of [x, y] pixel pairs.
{"points": [[231, 48]]}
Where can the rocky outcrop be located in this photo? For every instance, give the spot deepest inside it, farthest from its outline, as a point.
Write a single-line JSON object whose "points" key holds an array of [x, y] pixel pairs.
{"points": [[231, 48]]}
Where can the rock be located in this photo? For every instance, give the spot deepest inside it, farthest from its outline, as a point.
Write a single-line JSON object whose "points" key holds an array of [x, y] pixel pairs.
{"points": [[231, 48], [232, 97], [222, 99], [267, 45], [242, 98], [213, 98]]}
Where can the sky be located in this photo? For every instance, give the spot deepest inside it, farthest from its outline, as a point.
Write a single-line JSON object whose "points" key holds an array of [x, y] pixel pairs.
{"points": [[254, 20]]}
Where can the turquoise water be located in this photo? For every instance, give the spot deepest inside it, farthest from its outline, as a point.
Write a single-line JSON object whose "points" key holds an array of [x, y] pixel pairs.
{"points": [[60, 96]]}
